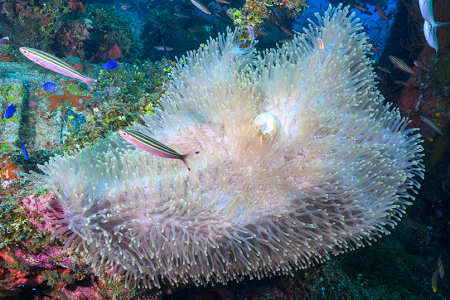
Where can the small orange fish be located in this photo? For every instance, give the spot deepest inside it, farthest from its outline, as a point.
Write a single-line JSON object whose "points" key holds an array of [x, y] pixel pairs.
{"points": [[440, 267], [260, 32], [321, 45], [287, 31], [434, 280], [372, 47], [220, 6], [384, 69]]}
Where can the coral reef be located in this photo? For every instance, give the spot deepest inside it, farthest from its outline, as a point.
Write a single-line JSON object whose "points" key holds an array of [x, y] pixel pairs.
{"points": [[429, 92], [72, 39], [75, 6], [326, 170], [110, 32], [128, 92], [29, 23], [32, 259], [255, 12], [50, 27]]}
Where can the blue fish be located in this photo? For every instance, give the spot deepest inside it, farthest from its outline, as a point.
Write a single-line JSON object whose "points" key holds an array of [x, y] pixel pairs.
{"points": [[10, 111], [49, 86], [25, 154], [111, 65], [33, 291]]}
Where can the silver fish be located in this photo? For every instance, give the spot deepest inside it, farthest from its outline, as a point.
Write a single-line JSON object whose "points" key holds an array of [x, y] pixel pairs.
{"points": [[426, 8], [430, 35]]}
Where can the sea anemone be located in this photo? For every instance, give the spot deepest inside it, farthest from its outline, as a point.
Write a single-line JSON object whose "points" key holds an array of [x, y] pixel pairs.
{"points": [[299, 159]]}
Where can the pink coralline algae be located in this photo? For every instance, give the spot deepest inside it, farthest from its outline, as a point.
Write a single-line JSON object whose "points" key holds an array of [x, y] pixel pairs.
{"points": [[32, 104], [49, 257], [91, 291], [14, 277], [73, 40], [37, 205], [3, 271], [113, 53]]}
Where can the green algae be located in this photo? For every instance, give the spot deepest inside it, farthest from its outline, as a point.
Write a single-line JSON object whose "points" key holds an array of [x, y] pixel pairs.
{"points": [[76, 90]]}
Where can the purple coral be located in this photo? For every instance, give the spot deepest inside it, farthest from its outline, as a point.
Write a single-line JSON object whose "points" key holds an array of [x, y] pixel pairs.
{"points": [[32, 104]]}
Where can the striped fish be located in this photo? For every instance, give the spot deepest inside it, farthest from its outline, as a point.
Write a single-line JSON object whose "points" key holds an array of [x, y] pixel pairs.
{"points": [[148, 144], [381, 12], [420, 64], [431, 124], [220, 6], [55, 64], [201, 6], [287, 31], [401, 65], [356, 5], [383, 69]]}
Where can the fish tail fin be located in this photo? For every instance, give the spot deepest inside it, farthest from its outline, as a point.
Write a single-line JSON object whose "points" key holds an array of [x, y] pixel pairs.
{"points": [[441, 24], [186, 156], [89, 82]]}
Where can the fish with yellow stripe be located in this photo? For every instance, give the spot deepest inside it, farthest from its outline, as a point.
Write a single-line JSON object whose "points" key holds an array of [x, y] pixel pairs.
{"points": [[53, 63], [148, 144]]}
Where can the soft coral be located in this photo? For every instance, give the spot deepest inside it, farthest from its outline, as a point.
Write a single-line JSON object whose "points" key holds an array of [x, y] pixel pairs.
{"points": [[75, 6]]}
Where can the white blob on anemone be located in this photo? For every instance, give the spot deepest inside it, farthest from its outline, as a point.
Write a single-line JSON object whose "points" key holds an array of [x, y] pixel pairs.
{"points": [[267, 126]]}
